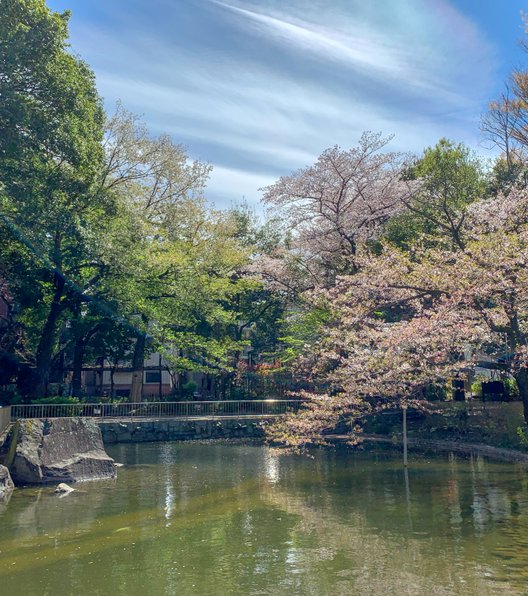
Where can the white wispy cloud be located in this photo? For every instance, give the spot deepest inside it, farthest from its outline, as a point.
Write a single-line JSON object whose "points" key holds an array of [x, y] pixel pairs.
{"points": [[260, 87], [384, 53], [360, 49]]}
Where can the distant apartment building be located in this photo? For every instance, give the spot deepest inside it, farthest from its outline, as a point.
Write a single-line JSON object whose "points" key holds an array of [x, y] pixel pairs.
{"points": [[116, 380], [107, 379]]}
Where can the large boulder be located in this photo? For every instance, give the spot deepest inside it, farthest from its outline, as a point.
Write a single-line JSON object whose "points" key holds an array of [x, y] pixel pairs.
{"points": [[59, 450], [6, 484]]}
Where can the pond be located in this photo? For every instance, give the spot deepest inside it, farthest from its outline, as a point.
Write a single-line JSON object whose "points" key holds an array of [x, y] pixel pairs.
{"points": [[193, 518]]}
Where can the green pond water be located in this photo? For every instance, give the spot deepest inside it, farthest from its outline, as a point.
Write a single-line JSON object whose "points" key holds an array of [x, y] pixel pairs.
{"points": [[190, 518]]}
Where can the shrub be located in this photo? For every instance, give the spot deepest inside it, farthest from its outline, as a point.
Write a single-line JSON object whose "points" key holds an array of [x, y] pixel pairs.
{"points": [[58, 399]]}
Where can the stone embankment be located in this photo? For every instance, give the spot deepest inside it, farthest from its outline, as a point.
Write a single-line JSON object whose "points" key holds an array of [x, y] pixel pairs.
{"points": [[149, 430]]}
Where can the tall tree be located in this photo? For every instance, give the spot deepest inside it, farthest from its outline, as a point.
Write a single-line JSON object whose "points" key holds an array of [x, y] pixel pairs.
{"points": [[331, 208], [50, 157], [410, 319], [449, 177], [505, 127], [157, 185]]}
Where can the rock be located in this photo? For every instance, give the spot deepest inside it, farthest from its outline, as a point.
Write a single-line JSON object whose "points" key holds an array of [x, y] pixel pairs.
{"points": [[59, 449], [4, 501], [6, 484], [64, 489]]}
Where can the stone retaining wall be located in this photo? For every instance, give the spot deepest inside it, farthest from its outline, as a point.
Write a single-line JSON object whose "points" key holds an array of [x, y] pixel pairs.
{"points": [[140, 431], [477, 422]]}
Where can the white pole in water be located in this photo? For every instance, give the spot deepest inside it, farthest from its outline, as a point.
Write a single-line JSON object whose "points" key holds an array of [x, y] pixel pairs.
{"points": [[404, 408]]}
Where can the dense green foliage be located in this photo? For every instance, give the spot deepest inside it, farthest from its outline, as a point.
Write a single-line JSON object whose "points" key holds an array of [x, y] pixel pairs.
{"points": [[50, 157], [451, 178], [108, 248]]}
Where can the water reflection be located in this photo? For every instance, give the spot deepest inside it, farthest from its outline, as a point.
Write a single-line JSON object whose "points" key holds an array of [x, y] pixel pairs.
{"points": [[232, 519], [272, 466]]}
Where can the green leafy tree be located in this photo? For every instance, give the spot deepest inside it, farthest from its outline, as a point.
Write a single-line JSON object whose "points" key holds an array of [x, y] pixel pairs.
{"points": [[50, 158], [450, 178]]}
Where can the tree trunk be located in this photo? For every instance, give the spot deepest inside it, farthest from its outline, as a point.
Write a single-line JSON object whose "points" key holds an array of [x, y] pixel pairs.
{"points": [[78, 359], [47, 341], [522, 382], [138, 363], [232, 377], [101, 375], [160, 385], [112, 383]]}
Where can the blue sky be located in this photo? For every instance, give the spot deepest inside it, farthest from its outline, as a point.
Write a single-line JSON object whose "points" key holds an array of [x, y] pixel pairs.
{"points": [[258, 88]]}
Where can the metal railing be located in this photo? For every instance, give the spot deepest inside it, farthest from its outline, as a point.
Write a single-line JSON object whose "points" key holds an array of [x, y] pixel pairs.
{"points": [[5, 418], [177, 409]]}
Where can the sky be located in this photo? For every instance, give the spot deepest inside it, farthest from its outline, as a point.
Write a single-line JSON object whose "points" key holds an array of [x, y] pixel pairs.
{"points": [[259, 88]]}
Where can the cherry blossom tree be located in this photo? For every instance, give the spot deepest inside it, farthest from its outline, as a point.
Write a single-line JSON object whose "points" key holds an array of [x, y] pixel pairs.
{"points": [[408, 319], [330, 208]]}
